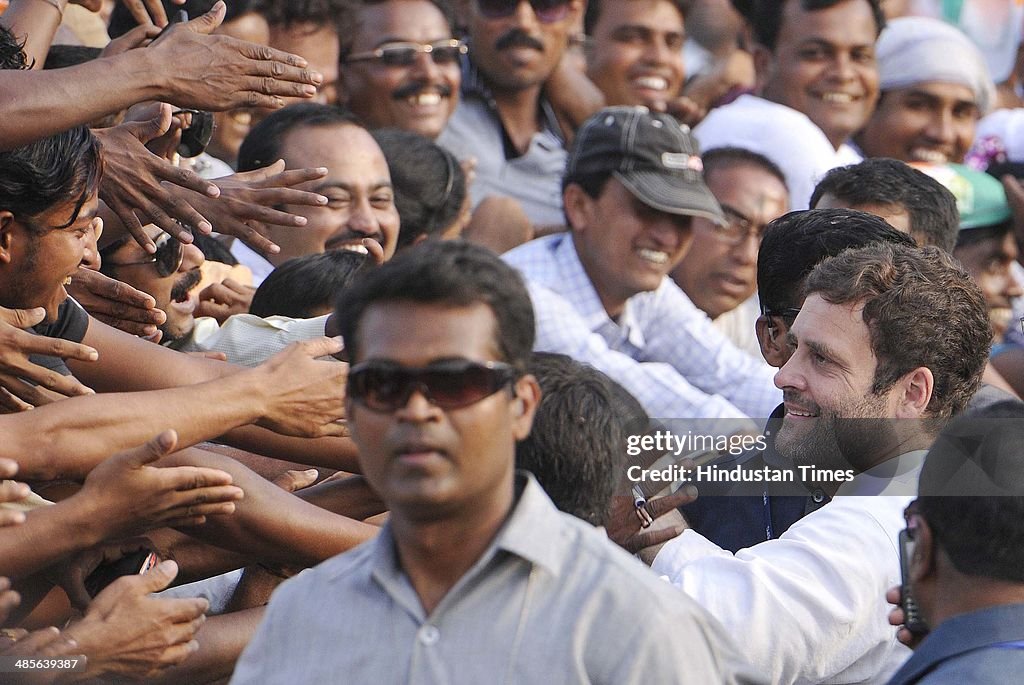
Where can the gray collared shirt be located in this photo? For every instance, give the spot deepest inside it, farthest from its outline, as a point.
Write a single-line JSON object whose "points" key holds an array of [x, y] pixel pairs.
{"points": [[550, 601]]}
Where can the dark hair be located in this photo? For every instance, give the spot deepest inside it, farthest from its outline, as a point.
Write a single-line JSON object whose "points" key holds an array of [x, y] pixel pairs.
{"points": [[338, 14], [721, 158], [982, 535], [921, 309], [593, 13], [934, 219], [122, 21], [347, 38], [61, 56], [12, 53], [60, 168], [794, 243], [575, 446], [765, 16], [972, 236], [262, 145], [428, 181], [303, 286], [449, 273]]}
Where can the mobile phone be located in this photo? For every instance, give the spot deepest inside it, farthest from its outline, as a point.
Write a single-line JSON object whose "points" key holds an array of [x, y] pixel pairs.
{"points": [[128, 565], [912, 619]]}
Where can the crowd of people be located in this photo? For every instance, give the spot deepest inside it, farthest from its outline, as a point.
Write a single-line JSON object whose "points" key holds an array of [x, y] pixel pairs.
{"points": [[519, 341]]}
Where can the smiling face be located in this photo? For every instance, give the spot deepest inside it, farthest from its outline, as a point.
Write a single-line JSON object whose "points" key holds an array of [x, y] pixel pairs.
{"points": [[39, 259], [429, 463], [718, 273], [636, 53], [824, 66], [833, 419], [625, 246], [358, 187], [173, 293], [420, 97], [928, 122], [988, 262], [518, 52]]}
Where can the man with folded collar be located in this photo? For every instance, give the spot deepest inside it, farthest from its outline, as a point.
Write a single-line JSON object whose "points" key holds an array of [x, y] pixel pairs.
{"points": [[476, 577], [602, 293]]}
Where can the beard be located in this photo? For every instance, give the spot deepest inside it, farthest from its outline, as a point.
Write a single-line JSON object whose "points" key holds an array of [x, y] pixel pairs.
{"points": [[851, 435]]}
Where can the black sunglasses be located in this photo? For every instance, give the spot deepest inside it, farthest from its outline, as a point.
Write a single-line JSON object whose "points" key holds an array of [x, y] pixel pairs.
{"points": [[168, 256], [443, 52], [450, 384], [548, 11]]}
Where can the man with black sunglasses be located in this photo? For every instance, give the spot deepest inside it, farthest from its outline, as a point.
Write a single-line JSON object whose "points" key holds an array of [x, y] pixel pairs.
{"points": [[504, 121], [476, 577], [401, 66]]}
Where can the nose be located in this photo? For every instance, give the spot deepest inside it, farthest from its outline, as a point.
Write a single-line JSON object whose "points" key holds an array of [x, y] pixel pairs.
{"points": [[191, 258], [362, 219], [658, 52], [417, 409], [940, 127], [789, 376], [745, 253], [425, 68], [843, 67], [524, 16]]}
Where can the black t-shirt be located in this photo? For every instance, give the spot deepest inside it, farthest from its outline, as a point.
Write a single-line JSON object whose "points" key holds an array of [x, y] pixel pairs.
{"points": [[71, 324]]}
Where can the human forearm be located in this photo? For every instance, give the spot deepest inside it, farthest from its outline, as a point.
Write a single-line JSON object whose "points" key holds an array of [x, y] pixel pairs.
{"points": [[335, 453], [221, 641], [66, 527], [35, 22]]}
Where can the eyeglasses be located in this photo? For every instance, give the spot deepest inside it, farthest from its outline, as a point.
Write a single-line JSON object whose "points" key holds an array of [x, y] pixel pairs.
{"points": [[168, 256], [788, 314], [443, 52], [547, 11], [450, 384], [738, 227]]}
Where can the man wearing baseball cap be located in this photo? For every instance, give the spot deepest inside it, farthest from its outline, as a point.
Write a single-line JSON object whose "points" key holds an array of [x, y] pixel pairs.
{"points": [[601, 293]]}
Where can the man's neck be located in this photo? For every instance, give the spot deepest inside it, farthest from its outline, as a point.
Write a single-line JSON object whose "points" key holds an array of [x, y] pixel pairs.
{"points": [[519, 112], [613, 301], [436, 554], [911, 442], [963, 594]]}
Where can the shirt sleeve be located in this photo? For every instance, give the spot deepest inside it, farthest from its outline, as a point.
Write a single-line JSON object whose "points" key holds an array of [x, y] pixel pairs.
{"points": [[810, 605], [683, 336], [660, 388], [249, 340]]}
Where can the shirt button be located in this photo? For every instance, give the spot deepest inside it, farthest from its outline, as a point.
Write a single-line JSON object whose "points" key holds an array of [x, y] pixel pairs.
{"points": [[429, 635], [818, 496]]}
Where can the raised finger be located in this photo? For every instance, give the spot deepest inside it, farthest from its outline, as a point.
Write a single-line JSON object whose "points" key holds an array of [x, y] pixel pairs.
{"points": [[56, 347], [265, 53], [11, 404], [649, 538], [662, 505], [136, 328], [293, 177], [259, 211], [269, 86], [186, 178], [68, 386]]}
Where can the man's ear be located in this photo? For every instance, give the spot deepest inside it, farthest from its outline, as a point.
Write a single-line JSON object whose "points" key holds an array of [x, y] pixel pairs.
{"points": [[915, 392], [578, 207], [6, 236], [922, 561], [772, 339], [524, 405]]}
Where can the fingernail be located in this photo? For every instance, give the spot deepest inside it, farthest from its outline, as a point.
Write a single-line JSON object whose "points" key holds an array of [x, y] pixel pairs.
{"points": [[213, 191], [205, 227], [309, 90], [321, 200], [300, 221]]}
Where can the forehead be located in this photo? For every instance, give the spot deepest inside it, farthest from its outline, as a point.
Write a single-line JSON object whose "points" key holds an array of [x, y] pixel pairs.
{"points": [[747, 186], [895, 215], [400, 20], [250, 26], [941, 91], [657, 14], [345, 150], [839, 327], [416, 334], [849, 22]]}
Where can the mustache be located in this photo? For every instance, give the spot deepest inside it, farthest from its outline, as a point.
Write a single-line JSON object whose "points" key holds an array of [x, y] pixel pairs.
{"points": [[186, 283], [415, 88], [517, 38], [351, 237], [793, 397]]}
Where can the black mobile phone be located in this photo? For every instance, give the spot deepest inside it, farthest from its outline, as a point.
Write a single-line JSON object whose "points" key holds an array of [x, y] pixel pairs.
{"points": [[912, 619], [128, 565]]}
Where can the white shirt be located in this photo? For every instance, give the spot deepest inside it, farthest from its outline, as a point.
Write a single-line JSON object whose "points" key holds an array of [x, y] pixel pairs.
{"points": [[780, 133], [256, 262], [248, 340], [663, 349], [738, 326], [810, 605]]}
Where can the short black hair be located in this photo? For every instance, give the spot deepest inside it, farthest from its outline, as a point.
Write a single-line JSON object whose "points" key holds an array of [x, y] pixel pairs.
{"points": [[934, 218], [575, 448], [983, 535], [347, 38], [122, 21], [448, 273], [428, 182], [303, 286], [765, 16], [61, 56], [720, 158], [796, 242], [972, 236], [12, 53], [262, 145], [593, 13], [338, 14], [60, 168]]}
